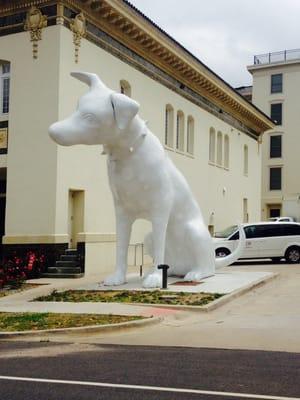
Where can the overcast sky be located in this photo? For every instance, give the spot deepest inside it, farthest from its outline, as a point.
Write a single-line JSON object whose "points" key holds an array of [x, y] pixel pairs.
{"points": [[226, 34]]}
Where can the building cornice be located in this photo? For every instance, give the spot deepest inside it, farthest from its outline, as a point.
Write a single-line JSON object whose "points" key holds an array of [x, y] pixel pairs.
{"points": [[127, 25]]}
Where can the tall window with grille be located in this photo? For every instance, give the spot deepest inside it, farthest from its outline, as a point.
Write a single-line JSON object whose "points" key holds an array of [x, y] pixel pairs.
{"points": [[4, 88], [275, 178], [276, 113], [276, 83], [190, 135], [220, 149], [212, 145], [246, 161], [169, 125], [226, 152], [275, 146], [180, 131]]}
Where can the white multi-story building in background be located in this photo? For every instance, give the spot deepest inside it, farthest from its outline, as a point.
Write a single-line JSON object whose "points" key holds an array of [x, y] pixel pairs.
{"points": [[276, 88]]}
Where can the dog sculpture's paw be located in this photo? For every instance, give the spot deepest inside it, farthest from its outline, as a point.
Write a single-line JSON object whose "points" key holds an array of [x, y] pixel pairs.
{"points": [[152, 280], [194, 276], [114, 280]]}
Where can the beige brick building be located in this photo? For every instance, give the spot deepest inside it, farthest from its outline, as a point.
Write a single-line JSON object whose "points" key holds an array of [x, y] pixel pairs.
{"points": [[276, 85], [53, 197]]}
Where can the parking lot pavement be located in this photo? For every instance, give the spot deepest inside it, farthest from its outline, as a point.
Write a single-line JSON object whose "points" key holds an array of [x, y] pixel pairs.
{"points": [[77, 371]]}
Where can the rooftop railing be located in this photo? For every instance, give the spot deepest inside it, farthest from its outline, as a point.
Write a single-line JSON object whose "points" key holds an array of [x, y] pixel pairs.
{"points": [[277, 57]]}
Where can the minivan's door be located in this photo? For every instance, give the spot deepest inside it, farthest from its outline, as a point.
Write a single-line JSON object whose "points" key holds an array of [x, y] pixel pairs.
{"points": [[253, 243]]}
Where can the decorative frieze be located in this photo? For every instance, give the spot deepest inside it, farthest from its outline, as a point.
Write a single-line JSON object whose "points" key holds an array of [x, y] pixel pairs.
{"points": [[78, 27], [126, 25], [35, 22]]}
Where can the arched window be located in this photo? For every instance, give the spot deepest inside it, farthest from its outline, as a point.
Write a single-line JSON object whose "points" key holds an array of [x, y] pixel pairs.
{"points": [[4, 87], [190, 135], [125, 88], [169, 126], [219, 149], [226, 151], [212, 145], [246, 160], [180, 131]]}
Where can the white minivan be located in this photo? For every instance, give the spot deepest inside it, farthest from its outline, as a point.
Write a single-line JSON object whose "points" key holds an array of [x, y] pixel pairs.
{"points": [[275, 240]]}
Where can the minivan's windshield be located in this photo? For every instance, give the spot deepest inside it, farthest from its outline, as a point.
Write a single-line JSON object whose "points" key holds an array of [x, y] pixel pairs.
{"points": [[226, 232]]}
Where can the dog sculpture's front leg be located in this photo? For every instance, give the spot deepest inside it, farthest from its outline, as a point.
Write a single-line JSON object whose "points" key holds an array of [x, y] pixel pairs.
{"points": [[123, 228], [159, 229]]}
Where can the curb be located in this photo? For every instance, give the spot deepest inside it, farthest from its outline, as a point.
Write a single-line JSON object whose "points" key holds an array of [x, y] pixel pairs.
{"points": [[84, 329], [239, 292], [216, 303]]}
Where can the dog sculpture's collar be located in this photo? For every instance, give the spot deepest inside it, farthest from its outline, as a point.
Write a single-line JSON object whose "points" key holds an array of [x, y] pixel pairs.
{"points": [[133, 146]]}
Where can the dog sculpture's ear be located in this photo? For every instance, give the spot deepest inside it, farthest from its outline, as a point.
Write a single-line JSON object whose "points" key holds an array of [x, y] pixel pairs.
{"points": [[125, 109], [92, 80]]}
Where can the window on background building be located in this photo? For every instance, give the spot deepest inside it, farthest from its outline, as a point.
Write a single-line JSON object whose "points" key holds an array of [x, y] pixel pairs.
{"points": [[276, 113], [169, 126], [276, 83], [180, 131], [4, 88], [275, 146], [212, 145], [275, 178], [190, 135], [219, 148], [246, 161], [125, 88], [226, 151], [245, 210]]}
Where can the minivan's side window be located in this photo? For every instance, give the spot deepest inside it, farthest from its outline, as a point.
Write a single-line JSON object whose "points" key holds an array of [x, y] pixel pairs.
{"points": [[250, 232], [269, 230], [290, 230]]}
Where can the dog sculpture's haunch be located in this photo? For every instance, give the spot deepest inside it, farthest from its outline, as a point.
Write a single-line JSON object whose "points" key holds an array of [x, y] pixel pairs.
{"points": [[144, 183]]}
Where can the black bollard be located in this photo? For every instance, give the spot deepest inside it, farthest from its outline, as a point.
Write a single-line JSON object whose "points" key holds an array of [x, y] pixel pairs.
{"points": [[164, 268]]}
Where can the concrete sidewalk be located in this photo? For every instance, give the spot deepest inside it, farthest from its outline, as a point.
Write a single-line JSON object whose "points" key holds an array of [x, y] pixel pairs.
{"points": [[227, 282], [265, 318]]}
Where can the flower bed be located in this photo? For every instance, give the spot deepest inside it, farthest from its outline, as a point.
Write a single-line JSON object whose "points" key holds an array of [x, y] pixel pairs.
{"points": [[16, 270], [131, 296]]}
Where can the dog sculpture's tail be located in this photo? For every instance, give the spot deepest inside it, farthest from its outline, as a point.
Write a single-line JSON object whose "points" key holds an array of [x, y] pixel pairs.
{"points": [[231, 258], [219, 262]]}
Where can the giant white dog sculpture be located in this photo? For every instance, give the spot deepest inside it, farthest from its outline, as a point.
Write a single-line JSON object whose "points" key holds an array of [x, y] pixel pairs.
{"points": [[144, 183]]}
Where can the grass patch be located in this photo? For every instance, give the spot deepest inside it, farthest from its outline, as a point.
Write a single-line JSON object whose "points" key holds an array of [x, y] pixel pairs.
{"points": [[6, 291], [131, 296], [13, 322]]}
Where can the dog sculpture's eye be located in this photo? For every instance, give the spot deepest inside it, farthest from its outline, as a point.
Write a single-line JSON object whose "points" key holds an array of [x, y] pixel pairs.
{"points": [[89, 117]]}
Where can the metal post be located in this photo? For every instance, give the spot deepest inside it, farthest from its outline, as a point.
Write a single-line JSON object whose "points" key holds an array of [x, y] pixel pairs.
{"points": [[164, 268]]}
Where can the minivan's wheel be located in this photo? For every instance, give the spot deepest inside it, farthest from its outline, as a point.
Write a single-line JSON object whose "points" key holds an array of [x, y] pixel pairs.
{"points": [[292, 255], [222, 252]]}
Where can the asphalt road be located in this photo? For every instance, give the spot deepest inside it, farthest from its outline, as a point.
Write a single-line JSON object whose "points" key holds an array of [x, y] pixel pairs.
{"points": [[93, 372]]}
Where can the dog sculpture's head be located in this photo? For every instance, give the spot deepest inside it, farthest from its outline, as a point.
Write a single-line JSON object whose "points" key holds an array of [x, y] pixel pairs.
{"points": [[101, 116]]}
